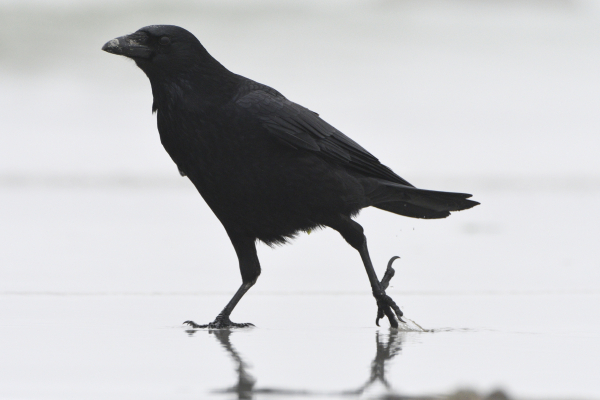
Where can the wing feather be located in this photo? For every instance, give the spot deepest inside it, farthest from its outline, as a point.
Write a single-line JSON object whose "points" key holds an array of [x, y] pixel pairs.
{"points": [[301, 128]]}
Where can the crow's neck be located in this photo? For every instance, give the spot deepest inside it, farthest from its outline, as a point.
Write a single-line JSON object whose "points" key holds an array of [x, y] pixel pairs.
{"points": [[201, 88]]}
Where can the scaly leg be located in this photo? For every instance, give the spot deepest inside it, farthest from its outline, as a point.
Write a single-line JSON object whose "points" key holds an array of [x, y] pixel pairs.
{"points": [[353, 233], [250, 269]]}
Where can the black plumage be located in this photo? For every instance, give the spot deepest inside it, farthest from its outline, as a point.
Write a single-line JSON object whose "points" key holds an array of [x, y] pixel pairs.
{"points": [[267, 167]]}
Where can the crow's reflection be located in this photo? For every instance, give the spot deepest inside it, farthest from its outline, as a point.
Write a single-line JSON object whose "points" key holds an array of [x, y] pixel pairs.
{"points": [[388, 345], [386, 350], [245, 383]]}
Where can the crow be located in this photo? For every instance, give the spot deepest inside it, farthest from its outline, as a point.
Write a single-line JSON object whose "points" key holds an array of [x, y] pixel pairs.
{"points": [[267, 167]]}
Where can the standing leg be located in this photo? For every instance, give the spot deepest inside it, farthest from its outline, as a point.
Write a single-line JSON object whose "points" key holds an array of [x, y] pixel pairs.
{"points": [[353, 233], [245, 249]]}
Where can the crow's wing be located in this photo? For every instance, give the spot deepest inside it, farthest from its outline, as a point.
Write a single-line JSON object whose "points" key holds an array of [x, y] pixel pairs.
{"points": [[300, 128]]}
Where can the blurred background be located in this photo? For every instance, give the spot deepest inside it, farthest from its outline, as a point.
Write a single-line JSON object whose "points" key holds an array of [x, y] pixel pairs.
{"points": [[498, 98]]}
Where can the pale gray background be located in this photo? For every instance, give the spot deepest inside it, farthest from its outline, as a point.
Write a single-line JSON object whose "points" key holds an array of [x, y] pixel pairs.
{"points": [[496, 98]]}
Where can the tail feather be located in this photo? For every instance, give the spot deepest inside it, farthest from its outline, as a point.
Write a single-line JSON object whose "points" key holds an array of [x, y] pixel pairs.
{"points": [[414, 202], [410, 210]]}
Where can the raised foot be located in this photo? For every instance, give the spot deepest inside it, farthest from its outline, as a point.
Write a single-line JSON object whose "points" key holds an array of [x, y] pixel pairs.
{"points": [[385, 305], [219, 323]]}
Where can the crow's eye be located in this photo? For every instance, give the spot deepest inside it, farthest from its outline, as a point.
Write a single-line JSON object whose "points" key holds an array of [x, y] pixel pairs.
{"points": [[165, 41]]}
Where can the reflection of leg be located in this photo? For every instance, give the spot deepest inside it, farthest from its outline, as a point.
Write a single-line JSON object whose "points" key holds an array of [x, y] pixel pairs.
{"points": [[378, 363], [245, 249], [353, 233], [385, 352], [245, 385], [394, 344]]}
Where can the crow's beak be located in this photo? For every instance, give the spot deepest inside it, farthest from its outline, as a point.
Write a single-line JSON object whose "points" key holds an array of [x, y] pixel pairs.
{"points": [[131, 46]]}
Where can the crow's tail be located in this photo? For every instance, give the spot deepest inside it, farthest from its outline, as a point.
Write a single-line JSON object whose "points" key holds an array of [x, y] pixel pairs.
{"points": [[416, 203]]}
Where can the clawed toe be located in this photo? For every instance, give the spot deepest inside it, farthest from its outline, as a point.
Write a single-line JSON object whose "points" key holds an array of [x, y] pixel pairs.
{"points": [[242, 325], [219, 323], [385, 305], [194, 325]]}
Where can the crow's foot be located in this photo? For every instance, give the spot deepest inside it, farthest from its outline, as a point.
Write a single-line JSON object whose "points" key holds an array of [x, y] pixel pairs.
{"points": [[219, 323], [385, 305]]}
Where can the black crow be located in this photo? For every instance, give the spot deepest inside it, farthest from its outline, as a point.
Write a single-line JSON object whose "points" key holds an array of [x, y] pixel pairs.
{"points": [[267, 167]]}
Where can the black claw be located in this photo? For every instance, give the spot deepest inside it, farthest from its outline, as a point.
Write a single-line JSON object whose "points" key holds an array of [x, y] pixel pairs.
{"points": [[380, 315], [386, 306], [219, 323], [394, 307], [391, 317], [244, 325], [389, 273], [392, 261], [194, 325]]}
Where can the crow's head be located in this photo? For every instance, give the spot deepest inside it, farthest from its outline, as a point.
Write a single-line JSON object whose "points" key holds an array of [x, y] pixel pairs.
{"points": [[161, 49]]}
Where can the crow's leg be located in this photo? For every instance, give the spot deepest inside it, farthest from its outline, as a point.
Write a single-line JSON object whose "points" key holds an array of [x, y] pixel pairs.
{"points": [[250, 268], [353, 233]]}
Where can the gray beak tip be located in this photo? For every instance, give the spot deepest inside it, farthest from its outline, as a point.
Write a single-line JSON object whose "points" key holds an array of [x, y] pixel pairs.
{"points": [[112, 46], [128, 46]]}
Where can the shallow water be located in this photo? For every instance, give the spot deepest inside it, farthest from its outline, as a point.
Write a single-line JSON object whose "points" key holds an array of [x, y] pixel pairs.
{"points": [[133, 346], [94, 293]]}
